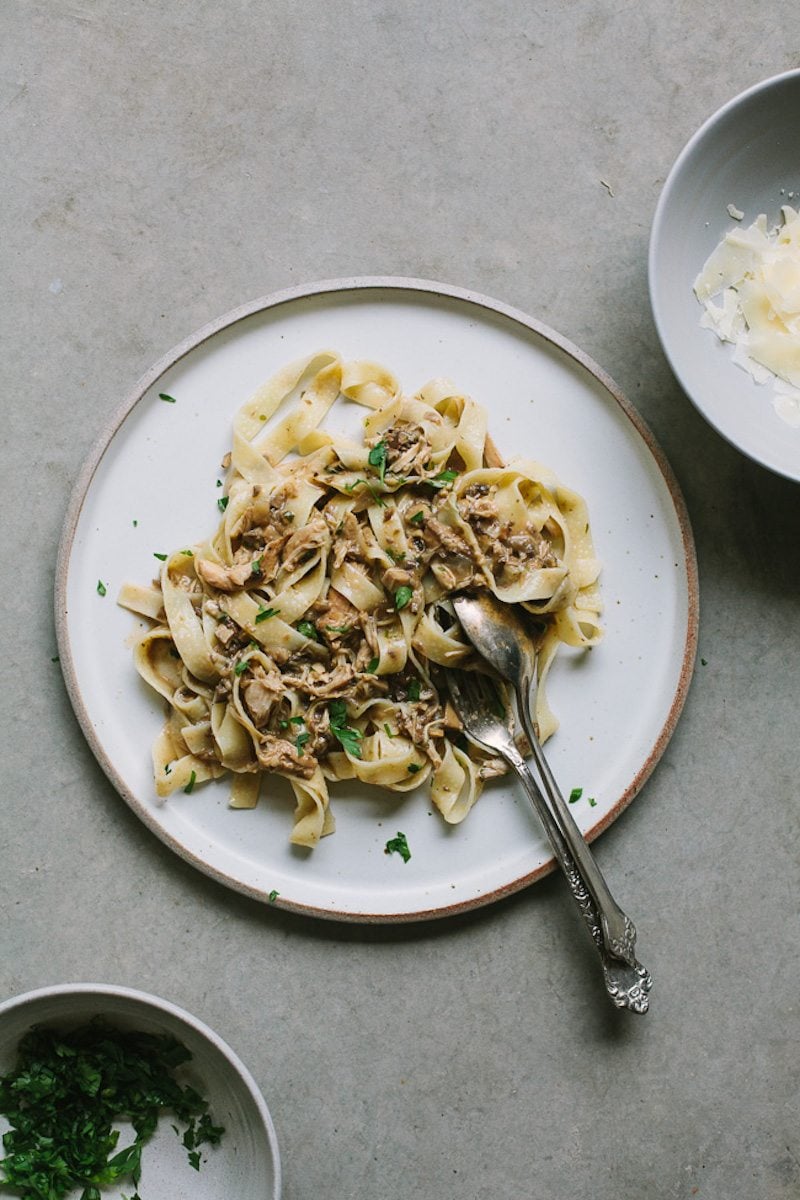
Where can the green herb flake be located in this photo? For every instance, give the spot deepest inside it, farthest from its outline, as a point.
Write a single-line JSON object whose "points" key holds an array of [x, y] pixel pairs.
{"points": [[301, 740], [67, 1091], [402, 597], [241, 666], [161, 557], [414, 689], [264, 614], [442, 479], [348, 738], [273, 896], [592, 802], [338, 628], [388, 729], [283, 724], [219, 483], [188, 553], [703, 662], [398, 845], [372, 666], [377, 458], [55, 658], [297, 720], [397, 556], [575, 795], [222, 503], [417, 518], [255, 565], [101, 588], [190, 785], [308, 630], [135, 524], [167, 398], [167, 769], [349, 487], [413, 768]]}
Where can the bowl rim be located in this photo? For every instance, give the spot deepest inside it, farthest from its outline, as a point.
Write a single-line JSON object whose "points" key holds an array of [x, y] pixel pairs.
{"points": [[659, 216], [147, 999]]}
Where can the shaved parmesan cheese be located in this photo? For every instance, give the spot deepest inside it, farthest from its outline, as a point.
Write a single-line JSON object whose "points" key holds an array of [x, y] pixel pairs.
{"points": [[750, 292]]}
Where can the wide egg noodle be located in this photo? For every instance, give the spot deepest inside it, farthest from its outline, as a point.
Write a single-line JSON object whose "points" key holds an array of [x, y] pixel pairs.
{"points": [[223, 627]]}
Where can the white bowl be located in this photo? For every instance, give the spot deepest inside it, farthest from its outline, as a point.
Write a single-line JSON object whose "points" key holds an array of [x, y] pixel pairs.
{"points": [[244, 1165], [745, 155]]}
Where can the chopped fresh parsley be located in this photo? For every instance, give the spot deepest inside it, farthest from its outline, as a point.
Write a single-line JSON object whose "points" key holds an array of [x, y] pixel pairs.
{"points": [[297, 720], [398, 845], [190, 785], [273, 896], [241, 666], [308, 630], [135, 523], [349, 487], [413, 768], [592, 802], [264, 614], [372, 666], [575, 795], [414, 689], [161, 557], [442, 479], [348, 738], [377, 458], [402, 597], [388, 729], [67, 1091], [301, 740], [222, 502], [101, 588], [169, 399], [338, 628], [188, 553], [255, 565], [395, 555], [417, 518], [55, 658], [219, 483]]}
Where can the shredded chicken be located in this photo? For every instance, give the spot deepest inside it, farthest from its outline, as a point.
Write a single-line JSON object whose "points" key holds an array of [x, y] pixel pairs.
{"points": [[278, 754]]}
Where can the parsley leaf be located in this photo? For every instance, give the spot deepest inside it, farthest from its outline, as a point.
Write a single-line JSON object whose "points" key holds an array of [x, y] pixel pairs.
{"points": [[301, 740], [575, 794], [402, 597], [442, 479], [377, 458], [161, 557], [398, 845], [413, 768], [348, 738], [417, 518], [241, 666], [169, 399], [273, 896], [308, 630], [190, 785], [101, 588], [222, 503], [349, 487], [372, 666], [414, 689], [264, 613], [338, 628]]}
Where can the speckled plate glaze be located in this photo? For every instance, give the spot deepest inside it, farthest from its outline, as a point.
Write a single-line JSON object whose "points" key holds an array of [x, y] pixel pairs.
{"points": [[245, 1164], [150, 485]]}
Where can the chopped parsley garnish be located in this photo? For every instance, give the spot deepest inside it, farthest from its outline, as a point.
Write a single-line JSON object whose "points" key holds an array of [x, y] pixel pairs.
{"points": [[241, 666], [188, 553], [297, 720], [388, 729], [255, 565], [190, 785], [67, 1091], [301, 740], [395, 555], [402, 597], [219, 483], [222, 502], [101, 588], [575, 795], [308, 630], [283, 724], [414, 689], [167, 769], [442, 479], [372, 666], [273, 896], [398, 845], [377, 458], [592, 802], [349, 487], [338, 628], [348, 738], [135, 523], [161, 557], [417, 518], [264, 614], [169, 399], [413, 768]]}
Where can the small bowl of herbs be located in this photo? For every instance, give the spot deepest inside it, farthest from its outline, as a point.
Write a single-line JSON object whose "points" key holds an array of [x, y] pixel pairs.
{"points": [[109, 1093]]}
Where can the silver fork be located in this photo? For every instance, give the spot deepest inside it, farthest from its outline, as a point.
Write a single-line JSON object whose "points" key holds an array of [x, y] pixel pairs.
{"points": [[474, 697]]}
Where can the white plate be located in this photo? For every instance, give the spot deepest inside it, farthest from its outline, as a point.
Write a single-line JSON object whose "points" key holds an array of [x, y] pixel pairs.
{"points": [[158, 463], [745, 155], [245, 1164]]}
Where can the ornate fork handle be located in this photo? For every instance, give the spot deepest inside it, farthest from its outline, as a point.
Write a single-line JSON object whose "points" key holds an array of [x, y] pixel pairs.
{"points": [[627, 982]]}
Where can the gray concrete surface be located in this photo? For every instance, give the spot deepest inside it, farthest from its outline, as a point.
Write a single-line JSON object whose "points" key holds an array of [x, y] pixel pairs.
{"points": [[165, 162]]}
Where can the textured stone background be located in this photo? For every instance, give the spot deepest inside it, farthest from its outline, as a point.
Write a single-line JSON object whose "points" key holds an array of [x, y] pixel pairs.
{"points": [[165, 162]]}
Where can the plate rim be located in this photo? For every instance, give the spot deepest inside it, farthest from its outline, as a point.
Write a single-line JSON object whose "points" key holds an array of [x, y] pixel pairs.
{"points": [[306, 291], [690, 147]]}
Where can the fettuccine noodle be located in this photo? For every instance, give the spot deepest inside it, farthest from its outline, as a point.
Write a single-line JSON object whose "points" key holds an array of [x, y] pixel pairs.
{"points": [[305, 637]]}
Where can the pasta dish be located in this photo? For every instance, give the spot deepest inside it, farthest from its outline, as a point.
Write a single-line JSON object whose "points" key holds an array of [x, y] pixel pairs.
{"points": [[306, 637]]}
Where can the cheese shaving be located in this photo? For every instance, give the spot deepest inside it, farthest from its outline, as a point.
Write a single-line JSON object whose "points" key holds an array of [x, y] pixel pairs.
{"points": [[750, 292]]}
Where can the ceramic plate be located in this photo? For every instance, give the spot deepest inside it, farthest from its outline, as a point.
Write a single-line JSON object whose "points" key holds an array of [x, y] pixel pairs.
{"points": [[245, 1164], [150, 485], [745, 155]]}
